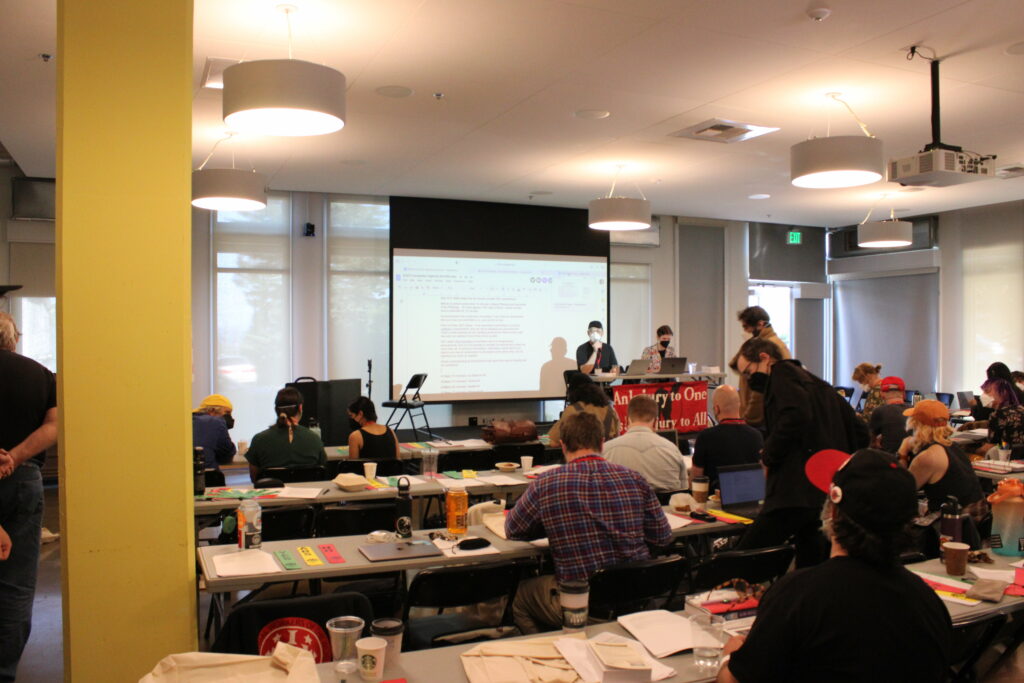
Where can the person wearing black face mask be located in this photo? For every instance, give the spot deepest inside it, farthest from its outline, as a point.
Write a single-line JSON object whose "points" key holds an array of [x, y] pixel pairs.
{"points": [[756, 323], [210, 424], [803, 414], [368, 438], [662, 349]]}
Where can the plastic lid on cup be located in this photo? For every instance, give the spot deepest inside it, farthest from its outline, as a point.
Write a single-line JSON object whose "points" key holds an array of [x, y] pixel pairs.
{"points": [[387, 627]]}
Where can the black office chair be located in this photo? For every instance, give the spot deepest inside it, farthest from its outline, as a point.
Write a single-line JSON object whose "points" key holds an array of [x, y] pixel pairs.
{"points": [[282, 524], [409, 405], [672, 435], [267, 483], [972, 636], [665, 496], [242, 629], [289, 475], [214, 479], [386, 467], [458, 586], [632, 586], [945, 397], [912, 557], [355, 518], [909, 395], [845, 392], [459, 460], [756, 566]]}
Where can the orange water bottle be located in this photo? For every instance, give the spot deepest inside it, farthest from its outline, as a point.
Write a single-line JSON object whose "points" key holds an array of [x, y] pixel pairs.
{"points": [[1008, 518], [456, 506]]}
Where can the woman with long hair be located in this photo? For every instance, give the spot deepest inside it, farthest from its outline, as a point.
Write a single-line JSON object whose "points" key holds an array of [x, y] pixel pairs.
{"points": [[285, 443]]}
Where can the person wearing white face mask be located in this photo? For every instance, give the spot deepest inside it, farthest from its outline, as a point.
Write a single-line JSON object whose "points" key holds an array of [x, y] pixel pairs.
{"points": [[595, 355], [869, 376]]}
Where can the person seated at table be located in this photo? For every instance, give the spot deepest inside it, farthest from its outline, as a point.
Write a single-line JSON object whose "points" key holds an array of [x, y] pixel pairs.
{"points": [[368, 438], [1017, 377], [595, 355], [731, 442], [210, 424], [868, 376], [585, 396], [642, 450], [860, 616], [888, 427], [594, 513], [285, 443], [940, 467], [1006, 422], [662, 349], [981, 409]]}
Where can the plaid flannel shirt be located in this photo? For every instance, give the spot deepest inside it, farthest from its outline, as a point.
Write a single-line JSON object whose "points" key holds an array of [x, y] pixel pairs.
{"points": [[595, 514]]}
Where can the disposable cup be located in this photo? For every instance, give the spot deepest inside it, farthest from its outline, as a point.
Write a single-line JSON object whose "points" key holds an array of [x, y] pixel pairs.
{"points": [[574, 598], [527, 462], [428, 463], [955, 557], [371, 653], [708, 632], [344, 632], [391, 630], [370, 470], [699, 489], [1003, 454]]}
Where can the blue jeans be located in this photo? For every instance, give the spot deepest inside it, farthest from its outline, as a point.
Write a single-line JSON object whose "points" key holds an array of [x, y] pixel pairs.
{"points": [[21, 516]]}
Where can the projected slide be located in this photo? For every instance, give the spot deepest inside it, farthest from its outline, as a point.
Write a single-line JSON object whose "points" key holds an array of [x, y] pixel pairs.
{"points": [[488, 325]]}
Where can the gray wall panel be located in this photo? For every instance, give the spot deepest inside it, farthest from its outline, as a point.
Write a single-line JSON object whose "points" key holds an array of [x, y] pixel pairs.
{"points": [[701, 296]]}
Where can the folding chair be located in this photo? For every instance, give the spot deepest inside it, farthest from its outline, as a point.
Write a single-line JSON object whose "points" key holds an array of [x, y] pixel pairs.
{"points": [[846, 392], [386, 467], [756, 566], [408, 406], [629, 587], [972, 636]]}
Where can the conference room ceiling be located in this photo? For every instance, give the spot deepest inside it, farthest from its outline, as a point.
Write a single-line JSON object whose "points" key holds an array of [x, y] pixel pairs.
{"points": [[513, 72]]}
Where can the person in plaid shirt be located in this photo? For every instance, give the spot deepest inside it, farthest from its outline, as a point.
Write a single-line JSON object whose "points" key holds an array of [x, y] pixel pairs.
{"points": [[595, 514]]}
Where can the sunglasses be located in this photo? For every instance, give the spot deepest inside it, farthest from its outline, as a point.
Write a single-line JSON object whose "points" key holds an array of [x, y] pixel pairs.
{"points": [[744, 591]]}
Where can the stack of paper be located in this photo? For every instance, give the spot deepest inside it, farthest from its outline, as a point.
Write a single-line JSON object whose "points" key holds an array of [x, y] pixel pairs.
{"points": [[502, 480], [677, 522], [299, 492], [660, 631], [245, 563]]}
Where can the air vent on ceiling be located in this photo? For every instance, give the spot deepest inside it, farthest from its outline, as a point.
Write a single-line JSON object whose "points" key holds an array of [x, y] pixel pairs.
{"points": [[721, 130], [213, 72]]}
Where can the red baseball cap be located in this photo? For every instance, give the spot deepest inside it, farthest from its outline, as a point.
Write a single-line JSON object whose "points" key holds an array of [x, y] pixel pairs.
{"points": [[892, 384]]}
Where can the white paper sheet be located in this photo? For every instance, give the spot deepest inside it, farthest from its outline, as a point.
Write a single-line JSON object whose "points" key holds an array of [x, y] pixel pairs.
{"points": [[1018, 563], [299, 492], [454, 483], [1006, 575], [245, 563], [659, 671], [661, 632], [449, 549], [677, 522], [502, 480]]}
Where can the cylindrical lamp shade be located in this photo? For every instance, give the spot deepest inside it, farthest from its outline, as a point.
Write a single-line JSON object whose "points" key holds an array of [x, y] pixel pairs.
{"points": [[287, 97], [882, 234], [843, 161], [229, 189], [620, 213]]}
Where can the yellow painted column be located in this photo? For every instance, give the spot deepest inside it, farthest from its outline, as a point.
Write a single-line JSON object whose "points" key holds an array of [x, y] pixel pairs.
{"points": [[124, 353]]}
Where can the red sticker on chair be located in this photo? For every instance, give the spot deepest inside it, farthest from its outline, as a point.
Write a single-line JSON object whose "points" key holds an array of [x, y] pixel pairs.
{"points": [[296, 631]]}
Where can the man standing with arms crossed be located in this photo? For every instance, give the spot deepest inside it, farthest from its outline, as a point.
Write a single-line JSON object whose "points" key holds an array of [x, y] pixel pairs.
{"points": [[28, 426]]}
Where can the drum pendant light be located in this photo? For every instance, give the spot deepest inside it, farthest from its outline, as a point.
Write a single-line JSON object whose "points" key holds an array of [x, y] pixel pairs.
{"points": [[228, 189], [619, 213], [283, 97], [890, 233], [841, 161]]}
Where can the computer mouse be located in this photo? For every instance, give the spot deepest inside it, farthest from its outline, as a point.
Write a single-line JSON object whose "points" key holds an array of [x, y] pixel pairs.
{"points": [[473, 544]]}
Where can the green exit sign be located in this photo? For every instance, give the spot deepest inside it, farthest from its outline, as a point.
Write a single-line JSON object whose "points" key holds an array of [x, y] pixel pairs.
{"points": [[794, 237]]}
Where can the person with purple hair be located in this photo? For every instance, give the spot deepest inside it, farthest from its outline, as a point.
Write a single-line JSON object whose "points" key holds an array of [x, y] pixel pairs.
{"points": [[1006, 423]]}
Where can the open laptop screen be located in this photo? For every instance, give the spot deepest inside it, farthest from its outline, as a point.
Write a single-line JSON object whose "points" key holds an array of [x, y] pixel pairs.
{"points": [[741, 484]]}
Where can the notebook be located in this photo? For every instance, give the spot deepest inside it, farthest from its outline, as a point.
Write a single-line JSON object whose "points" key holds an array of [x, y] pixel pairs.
{"points": [[403, 550], [673, 366], [742, 488]]}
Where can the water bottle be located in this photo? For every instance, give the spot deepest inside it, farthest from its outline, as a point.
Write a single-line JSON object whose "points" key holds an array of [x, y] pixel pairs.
{"points": [[198, 471], [250, 525], [403, 509], [457, 507], [314, 427], [950, 524]]}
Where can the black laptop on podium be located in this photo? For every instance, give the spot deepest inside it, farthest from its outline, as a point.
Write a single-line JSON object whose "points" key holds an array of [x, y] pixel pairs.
{"points": [[742, 489], [673, 366]]}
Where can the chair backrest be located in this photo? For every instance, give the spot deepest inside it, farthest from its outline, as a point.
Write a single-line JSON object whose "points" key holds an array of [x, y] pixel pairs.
{"points": [[665, 496], [461, 585], [972, 636], [281, 524], [214, 478], [756, 566], [945, 397], [355, 518], [386, 467], [471, 460], [255, 627], [267, 483], [292, 474], [911, 557], [623, 588], [415, 382]]}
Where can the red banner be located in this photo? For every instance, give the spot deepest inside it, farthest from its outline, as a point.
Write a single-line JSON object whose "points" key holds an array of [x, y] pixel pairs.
{"points": [[682, 406]]}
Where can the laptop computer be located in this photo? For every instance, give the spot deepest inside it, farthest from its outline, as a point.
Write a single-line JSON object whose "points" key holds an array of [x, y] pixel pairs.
{"points": [[742, 489], [673, 366], [964, 399], [402, 550], [638, 367]]}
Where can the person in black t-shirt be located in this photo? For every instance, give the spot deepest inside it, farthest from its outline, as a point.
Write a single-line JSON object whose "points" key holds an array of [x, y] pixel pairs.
{"points": [[887, 426], [860, 616], [28, 426], [731, 442], [595, 355]]}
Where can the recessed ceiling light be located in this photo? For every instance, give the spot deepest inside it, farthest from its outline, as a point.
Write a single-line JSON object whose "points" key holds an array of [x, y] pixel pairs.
{"points": [[396, 91], [592, 114], [538, 193], [758, 196], [1017, 49]]}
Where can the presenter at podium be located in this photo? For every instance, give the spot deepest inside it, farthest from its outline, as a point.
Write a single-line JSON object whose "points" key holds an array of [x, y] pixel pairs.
{"points": [[595, 356]]}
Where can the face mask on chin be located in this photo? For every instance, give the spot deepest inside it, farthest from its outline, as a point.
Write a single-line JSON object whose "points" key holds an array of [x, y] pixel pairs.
{"points": [[865, 388], [986, 400]]}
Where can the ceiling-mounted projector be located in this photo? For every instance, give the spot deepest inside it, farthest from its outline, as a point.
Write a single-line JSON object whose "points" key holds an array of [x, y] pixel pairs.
{"points": [[939, 164], [940, 168]]}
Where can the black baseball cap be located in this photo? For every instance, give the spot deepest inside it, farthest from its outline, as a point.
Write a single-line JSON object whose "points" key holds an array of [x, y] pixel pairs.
{"points": [[869, 487], [595, 323]]}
